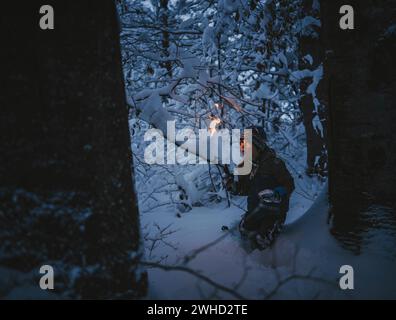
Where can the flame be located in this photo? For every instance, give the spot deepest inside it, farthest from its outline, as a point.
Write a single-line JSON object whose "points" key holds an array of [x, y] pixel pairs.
{"points": [[217, 105], [213, 124]]}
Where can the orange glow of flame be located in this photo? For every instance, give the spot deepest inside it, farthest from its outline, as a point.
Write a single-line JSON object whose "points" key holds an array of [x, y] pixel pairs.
{"points": [[218, 105], [213, 124]]}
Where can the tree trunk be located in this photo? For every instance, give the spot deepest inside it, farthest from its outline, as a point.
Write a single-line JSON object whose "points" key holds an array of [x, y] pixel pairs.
{"points": [[164, 18], [360, 77], [65, 151], [309, 44]]}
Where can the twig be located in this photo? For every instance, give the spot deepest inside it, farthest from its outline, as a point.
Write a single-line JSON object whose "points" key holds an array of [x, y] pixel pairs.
{"points": [[196, 274]]}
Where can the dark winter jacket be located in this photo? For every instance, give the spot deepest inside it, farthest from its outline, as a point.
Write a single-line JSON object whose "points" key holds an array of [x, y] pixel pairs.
{"points": [[269, 173]]}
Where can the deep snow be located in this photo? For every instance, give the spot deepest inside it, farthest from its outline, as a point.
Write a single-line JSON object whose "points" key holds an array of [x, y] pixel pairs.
{"points": [[305, 248]]}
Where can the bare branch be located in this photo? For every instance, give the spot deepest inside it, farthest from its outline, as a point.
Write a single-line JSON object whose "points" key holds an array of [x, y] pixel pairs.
{"points": [[196, 274]]}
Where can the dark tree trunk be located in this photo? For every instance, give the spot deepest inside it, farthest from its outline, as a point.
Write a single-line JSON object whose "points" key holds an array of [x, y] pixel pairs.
{"points": [[65, 150], [359, 71], [310, 44], [164, 18]]}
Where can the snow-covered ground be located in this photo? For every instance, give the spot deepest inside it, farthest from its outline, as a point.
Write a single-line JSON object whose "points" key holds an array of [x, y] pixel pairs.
{"points": [[304, 262]]}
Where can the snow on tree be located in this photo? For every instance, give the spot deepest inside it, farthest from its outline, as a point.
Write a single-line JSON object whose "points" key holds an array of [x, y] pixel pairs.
{"points": [[192, 62], [236, 61]]}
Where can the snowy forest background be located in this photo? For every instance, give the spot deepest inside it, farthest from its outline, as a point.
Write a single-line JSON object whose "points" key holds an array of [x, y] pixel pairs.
{"points": [[77, 99], [235, 61], [241, 63], [238, 62]]}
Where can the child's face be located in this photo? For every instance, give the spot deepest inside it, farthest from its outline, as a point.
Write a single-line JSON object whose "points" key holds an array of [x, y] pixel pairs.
{"points": [[242, 145], [245, 146]]}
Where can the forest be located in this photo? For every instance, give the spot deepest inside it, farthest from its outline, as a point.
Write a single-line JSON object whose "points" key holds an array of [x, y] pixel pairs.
{"points": [[78, 192]]}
